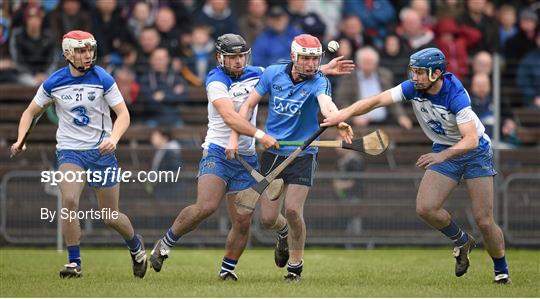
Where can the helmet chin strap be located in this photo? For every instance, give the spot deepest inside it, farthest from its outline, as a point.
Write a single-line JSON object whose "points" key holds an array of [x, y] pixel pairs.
{"points": [[431, 80], [80, 69], [228, 72]]}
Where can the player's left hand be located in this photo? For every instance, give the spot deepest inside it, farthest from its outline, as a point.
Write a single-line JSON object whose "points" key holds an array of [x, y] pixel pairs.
{"points": [[427, 160], [338, 66], [108, 146], [345, 131]]}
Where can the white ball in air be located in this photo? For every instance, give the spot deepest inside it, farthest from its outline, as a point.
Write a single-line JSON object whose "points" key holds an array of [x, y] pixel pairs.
{"points": [[333, 46]]}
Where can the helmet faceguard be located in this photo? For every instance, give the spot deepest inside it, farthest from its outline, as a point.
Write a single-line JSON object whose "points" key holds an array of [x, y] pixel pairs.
{"points": [[229, 45], [429, 59], [77, 39], [306, 45]]}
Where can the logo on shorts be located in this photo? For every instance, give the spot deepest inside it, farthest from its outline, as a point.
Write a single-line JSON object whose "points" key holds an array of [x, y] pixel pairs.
{"points": [[92, 95], [287, 106], [210, 165]]}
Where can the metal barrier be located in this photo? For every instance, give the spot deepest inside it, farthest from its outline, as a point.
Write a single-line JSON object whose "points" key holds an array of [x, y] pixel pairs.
{"points": [[521, 208], [381, 211], [23, 196]]}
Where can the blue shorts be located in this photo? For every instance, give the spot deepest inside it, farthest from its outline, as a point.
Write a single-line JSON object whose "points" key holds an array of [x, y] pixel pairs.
{"points": [[95, 162], [236, 177], [474, 164]]}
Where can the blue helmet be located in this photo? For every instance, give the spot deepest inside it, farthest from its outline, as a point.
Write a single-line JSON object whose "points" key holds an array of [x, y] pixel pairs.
{"points": [[430, 58]]}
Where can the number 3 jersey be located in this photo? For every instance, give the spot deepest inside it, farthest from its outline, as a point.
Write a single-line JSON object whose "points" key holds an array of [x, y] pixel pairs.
{"points": [[439, 115], [82, 105]]}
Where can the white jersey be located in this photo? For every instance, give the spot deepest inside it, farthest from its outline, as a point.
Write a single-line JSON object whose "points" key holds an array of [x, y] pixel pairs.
{"points": [[82, 105], [220, 85], [439, 115]]}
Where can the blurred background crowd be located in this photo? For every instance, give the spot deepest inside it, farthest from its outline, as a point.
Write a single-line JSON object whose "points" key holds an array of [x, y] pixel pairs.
{"points": [[158, 50]]}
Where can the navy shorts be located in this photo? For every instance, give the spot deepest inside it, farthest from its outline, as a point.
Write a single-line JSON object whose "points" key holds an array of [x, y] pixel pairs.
{"points": [[474, 164], [103, 168], [235, 176], [300, 172]]}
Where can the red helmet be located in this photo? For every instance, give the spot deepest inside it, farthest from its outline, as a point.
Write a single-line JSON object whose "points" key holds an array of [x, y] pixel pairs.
{"points": [[306, 45], [78, 39]]}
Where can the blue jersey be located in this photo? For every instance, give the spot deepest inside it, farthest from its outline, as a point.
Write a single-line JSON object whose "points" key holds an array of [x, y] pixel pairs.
{"points": [[82, 105], [439, 115], [293, 109]]}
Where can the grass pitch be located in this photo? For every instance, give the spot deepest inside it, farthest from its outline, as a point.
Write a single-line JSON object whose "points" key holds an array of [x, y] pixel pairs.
{"points": [[392, 272]]}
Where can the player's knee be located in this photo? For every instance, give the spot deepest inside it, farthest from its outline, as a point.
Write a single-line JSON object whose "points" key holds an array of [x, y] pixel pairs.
{"points": [[242, 225], [207, 209], [424, 211], [484, 223], [268, 221], [70, 201], [293, 214]]}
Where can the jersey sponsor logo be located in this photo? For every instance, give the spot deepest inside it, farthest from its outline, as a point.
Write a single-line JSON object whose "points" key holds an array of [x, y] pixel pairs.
{"points": [[287, 106], [437, 127]]}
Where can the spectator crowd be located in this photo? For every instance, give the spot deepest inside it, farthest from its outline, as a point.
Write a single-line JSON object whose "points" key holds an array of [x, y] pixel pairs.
{"points": [[158, 50]]}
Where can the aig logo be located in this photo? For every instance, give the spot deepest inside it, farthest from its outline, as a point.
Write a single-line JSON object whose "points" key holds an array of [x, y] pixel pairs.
{"points": [[287, 106]]}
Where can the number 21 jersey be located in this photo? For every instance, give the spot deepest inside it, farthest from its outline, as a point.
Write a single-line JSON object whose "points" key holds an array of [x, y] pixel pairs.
{"points": [[82, 105]]}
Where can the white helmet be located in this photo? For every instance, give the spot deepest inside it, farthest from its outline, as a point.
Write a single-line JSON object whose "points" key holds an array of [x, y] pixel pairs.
{"points": [[79, 39], [305, 45]]}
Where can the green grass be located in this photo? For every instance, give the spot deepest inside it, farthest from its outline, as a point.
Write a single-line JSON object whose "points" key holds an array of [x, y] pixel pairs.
{"points": [[393, 272]]}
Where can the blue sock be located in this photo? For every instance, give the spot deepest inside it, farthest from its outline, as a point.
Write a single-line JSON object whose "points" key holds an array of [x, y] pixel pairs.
{"points": [[74, 254], [454, 232], [499, 265], [170, 238], [134, 244], [228, 265]]}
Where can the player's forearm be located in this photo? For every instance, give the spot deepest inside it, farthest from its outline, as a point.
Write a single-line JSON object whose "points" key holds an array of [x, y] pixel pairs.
{"points": [[364, 106], [233, 139], [239, 124], [328, 109], [120, 126], [24, 124], [465, 145]]}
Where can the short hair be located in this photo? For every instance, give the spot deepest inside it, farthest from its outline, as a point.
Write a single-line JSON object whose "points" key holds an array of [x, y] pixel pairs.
{"points": [[165, 132], [365, 50]]}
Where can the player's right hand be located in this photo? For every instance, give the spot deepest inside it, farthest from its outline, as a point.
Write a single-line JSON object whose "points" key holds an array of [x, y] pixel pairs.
{"points": [[231, 150], [268, 141], [17, 149], [336, 117]]}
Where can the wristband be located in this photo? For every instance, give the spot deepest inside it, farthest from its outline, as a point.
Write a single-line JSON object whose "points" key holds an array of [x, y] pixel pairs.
{"points": [[259, 134]]}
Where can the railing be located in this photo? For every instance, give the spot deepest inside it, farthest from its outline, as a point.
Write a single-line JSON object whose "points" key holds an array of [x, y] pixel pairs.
{"points": [[381, 211]]}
